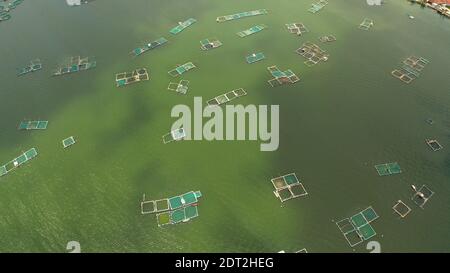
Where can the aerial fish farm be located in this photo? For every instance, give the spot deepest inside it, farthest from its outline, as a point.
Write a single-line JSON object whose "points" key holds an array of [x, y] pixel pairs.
{"points": [[366, 24], [241, 15], [288, 187], [75, 64], [181, 69], [182, 26], [281, 77], [155, 44], [316, 7], [410, 69], [174, 210], [255, 57], [251, 31], [175, 135], [18, 161], [297, 28], [358, 228], [327, 38], [180, 87], [33, 125], [135, 76], [208, 44], [312, 53], [227, 97], [34, 66]]}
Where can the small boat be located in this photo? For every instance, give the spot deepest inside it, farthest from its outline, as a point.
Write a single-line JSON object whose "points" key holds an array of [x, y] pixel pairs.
{"points": [[410, 16]]}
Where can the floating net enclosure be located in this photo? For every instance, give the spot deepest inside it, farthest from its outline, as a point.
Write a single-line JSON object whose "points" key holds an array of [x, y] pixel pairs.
{"points": [[18, 161], [434, 144], [33, 125], [251, 31], [240, 15], [227, 97], [177, 216], [317, 6], [5, 10], [181, 69], [410, 69], [327, 38], [175, 135], [180, 87], [312, 53], [135, 76], [68, 142], [388, 169], [358, 228], [174, 210], [154, 206], [34, 66], [297, 28], [366, 24], [429, 121], [288, 187], [148, 46], [208, 44], [75, 64], [163, 219], [182, 26], [255, 57], [401, 209], [281, 77], [421, 197]]}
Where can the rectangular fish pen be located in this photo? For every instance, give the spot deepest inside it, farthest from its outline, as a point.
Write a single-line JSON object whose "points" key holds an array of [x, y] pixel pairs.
{"points": [[175, 135], [422, 196], [434, 144], [34, 66], [68, 142], [135, 76], [181, 69], [180, 87], [255, 57], [227, 97], [240, 15], [388, 169], [251, 31], [317, 6], [281, 77], [208, 44], [75, 64], [181, 215], [358, 228], [149, 46], [297, 28], [288, 187], [154, 206], [312, 53], [327, 39], [366, 24], [182, 26], [401, 209], [174, 210], [410, 69], [18, 161], [33, 125]]}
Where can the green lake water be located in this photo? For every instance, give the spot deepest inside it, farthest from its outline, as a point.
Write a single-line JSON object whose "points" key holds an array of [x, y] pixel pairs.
{"points": [[344, 116]]}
